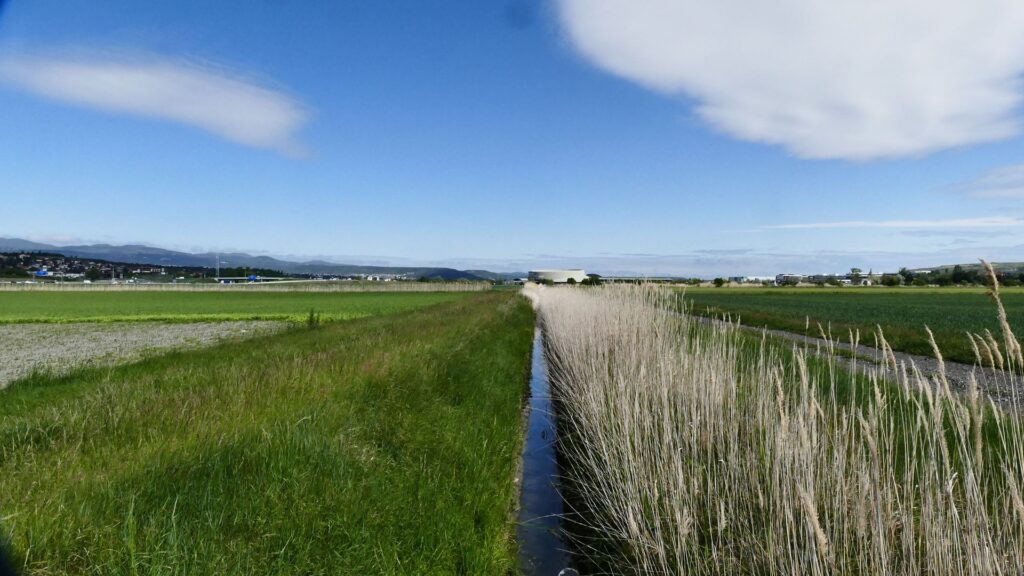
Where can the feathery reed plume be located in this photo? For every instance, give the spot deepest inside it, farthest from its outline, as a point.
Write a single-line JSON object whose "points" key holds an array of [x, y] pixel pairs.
{"points": [[1012, 345], [697, 448]]}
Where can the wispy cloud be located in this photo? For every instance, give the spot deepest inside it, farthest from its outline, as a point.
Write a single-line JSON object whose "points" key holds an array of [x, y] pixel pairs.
{"points": [[752, 261], [983, 222], [1003, 182], [220, 101], [946, 233], [58, 239], [850, 80]]}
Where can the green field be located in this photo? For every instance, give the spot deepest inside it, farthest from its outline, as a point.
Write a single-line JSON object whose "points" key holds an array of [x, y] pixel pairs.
{"points": [[902, 313], [382, 445], [41, 306]]}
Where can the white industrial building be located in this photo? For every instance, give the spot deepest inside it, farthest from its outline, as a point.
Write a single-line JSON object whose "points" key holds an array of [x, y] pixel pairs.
{"points": [[557, 276]]}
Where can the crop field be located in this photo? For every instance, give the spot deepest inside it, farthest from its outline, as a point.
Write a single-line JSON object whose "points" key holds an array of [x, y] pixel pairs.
{"points": [[381, 445], [28, 306], [902, 313]]}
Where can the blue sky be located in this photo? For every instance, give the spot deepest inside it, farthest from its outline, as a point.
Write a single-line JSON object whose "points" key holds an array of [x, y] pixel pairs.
{"points": [[514, 134]]}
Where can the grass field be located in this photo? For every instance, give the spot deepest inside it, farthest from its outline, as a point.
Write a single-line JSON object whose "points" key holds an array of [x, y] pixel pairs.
{"points": [[383, 445], [902, 313], [55, 306]]}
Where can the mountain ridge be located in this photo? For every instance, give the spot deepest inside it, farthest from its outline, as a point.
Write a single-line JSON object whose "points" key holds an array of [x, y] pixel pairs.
{"points": [[143, 254]]}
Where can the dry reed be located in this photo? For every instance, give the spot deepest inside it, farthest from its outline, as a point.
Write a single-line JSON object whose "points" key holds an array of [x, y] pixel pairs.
{"points": [[695, 449]]}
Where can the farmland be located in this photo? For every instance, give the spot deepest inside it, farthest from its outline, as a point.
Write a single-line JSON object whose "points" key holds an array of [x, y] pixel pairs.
{"points": [[28, 306], [381, 445], [902, 313]]}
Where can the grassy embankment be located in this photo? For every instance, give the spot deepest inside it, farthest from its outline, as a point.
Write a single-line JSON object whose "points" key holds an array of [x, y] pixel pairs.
{"points": [[380, 445], [183, 306], [691, 448], [902, 313]]}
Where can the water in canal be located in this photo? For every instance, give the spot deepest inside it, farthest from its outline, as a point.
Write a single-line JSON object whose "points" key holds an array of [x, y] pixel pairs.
{"points": [[542, 551]]}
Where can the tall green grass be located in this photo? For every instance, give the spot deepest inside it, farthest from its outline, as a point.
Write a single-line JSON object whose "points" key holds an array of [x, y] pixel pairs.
{"points": [[690, 449], [385, 445]]}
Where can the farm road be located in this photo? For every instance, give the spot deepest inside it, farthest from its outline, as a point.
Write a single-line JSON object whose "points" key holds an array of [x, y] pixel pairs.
{"points": [[997, 384]]}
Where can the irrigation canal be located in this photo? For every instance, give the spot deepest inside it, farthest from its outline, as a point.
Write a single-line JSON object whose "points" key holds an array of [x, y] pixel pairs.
{"points": [[542, 551]]}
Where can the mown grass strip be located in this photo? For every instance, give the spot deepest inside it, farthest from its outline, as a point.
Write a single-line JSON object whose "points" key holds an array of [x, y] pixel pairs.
{"points": [[188, 318], [36, 307], [902, 313], [385, 445]]}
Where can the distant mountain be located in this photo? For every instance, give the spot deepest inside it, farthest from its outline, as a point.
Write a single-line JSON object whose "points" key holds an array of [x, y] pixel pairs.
{"points": [[140, 254], [14, 244], [497, 276]]}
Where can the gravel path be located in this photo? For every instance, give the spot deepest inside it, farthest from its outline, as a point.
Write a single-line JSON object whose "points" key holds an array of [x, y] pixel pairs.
{"points": [[60, 348], [997, 384]]}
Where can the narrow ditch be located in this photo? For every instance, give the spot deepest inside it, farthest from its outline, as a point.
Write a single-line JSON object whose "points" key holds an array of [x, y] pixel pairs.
{"points": [[542, 551]]}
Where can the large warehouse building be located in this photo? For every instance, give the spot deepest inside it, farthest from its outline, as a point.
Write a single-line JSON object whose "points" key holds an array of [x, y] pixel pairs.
{"points": [[557, 276]]}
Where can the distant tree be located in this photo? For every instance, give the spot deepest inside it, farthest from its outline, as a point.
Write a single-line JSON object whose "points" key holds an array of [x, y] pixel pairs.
{"points": [[891, 279], [93, 274], [833, 281], [856, 275], [571, 281], [958, 276], [592, 280], [919, 280], [907, 275], [719, 282], [962, 276]]}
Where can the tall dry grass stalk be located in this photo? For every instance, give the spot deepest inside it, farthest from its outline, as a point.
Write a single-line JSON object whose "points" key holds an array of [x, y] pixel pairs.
{"points": [[697, 449]]}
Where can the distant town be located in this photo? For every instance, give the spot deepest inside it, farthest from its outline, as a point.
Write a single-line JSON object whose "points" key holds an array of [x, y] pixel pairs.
{"points": [[956, 275], [943, 276], [40, 267], [48, 267]]}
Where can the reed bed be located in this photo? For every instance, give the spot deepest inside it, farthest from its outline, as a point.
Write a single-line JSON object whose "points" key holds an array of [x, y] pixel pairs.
{"points": [[697, 449]]}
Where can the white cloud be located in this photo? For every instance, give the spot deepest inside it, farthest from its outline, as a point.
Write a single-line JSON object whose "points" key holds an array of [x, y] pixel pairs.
{"points": [[1005, 182], [983, 222], [851, 79], [213, 99], [58, 239]]}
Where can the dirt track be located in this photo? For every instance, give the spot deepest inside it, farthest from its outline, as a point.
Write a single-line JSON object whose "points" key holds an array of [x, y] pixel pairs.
{"points": [[997, 384], [60, 348]]}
